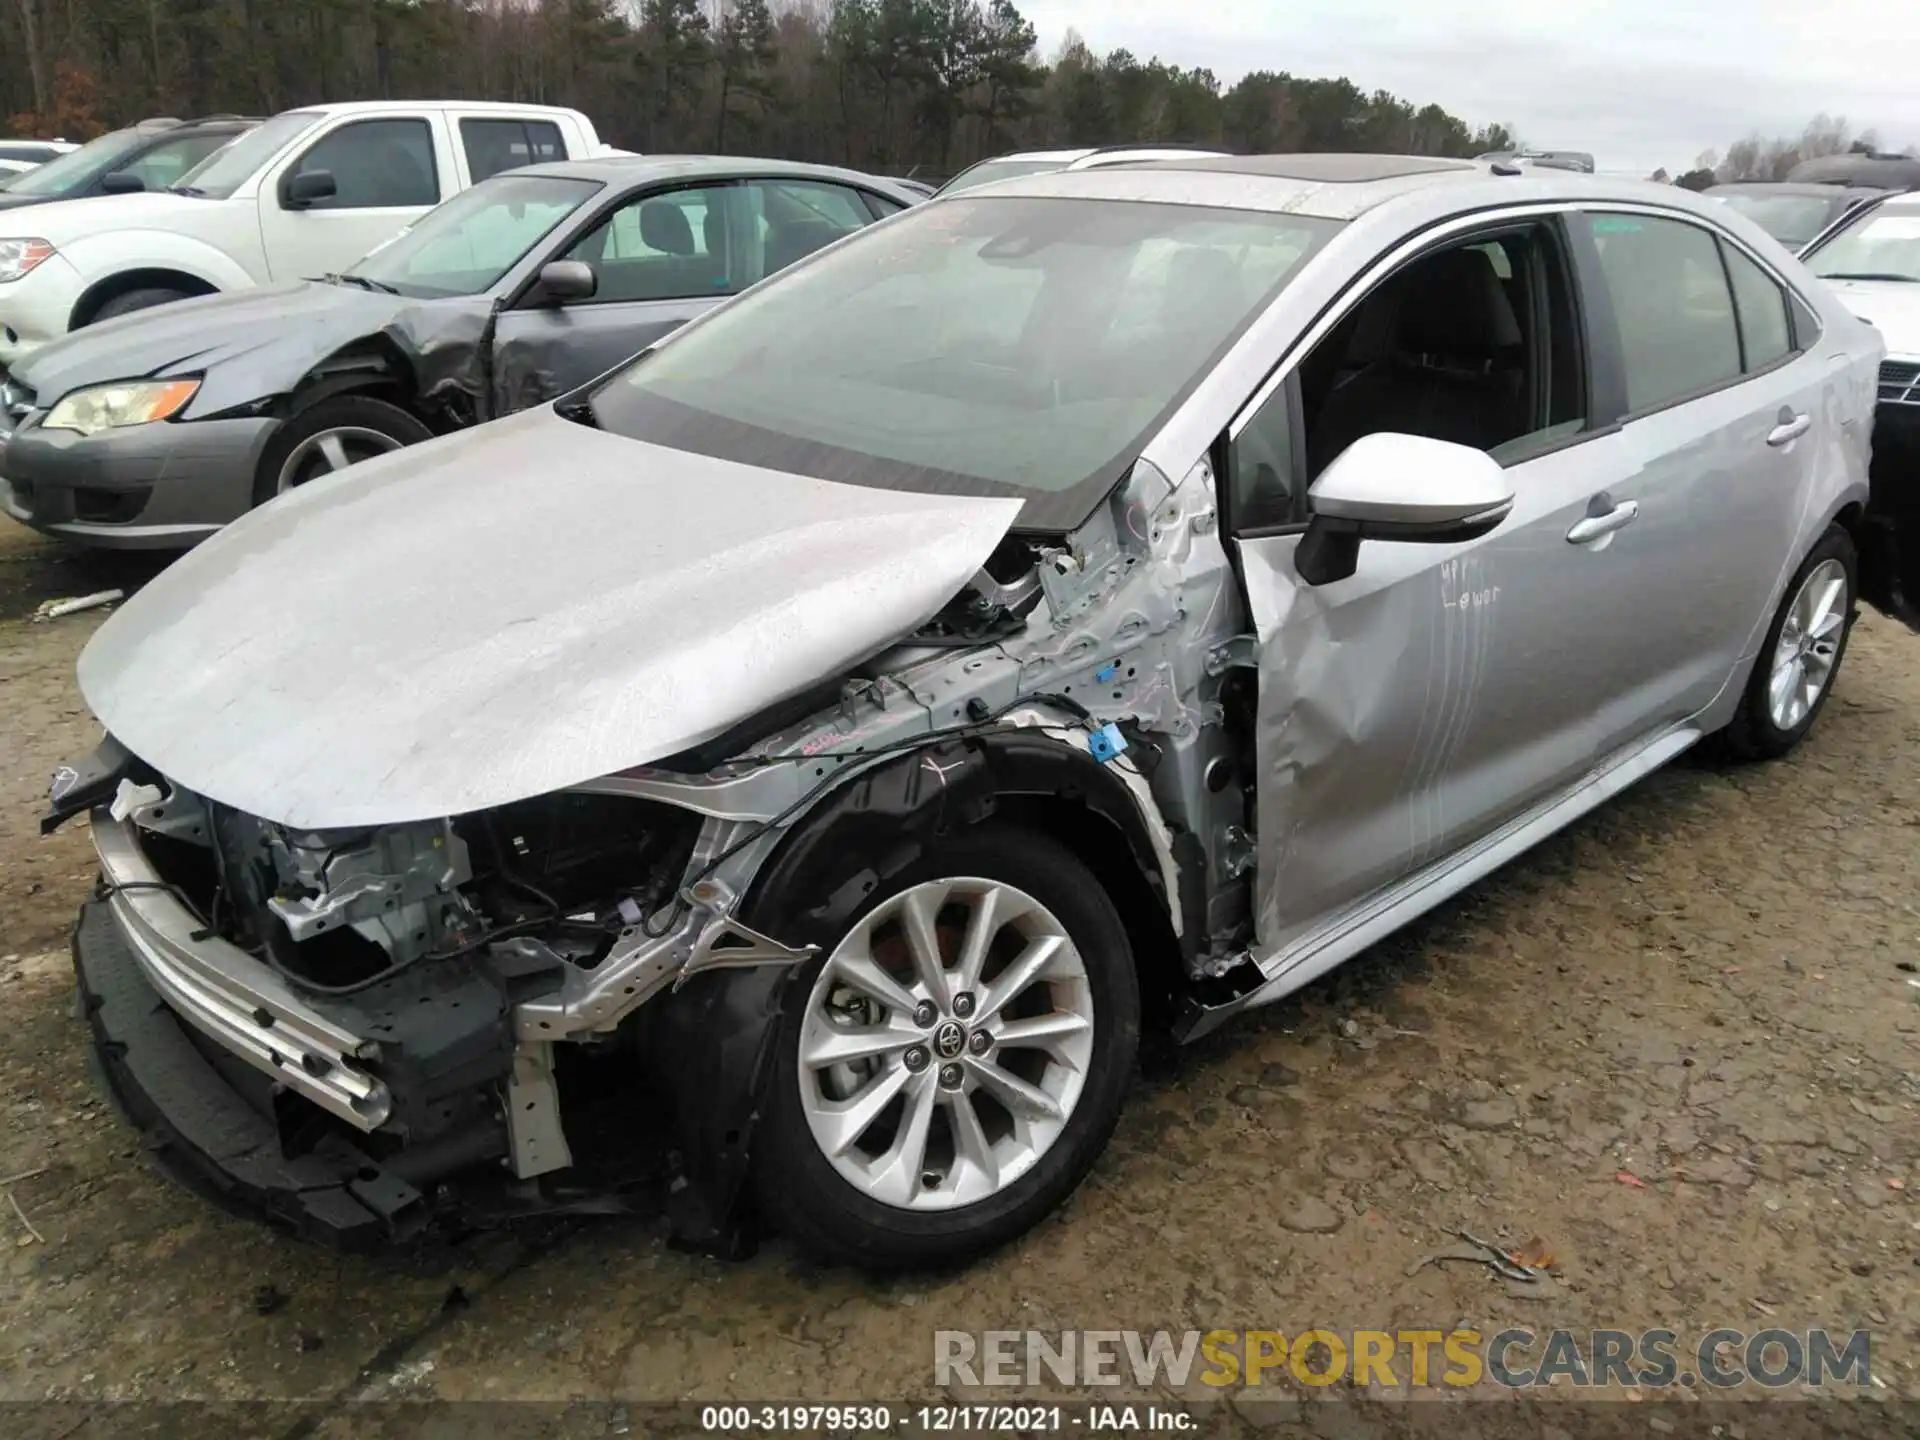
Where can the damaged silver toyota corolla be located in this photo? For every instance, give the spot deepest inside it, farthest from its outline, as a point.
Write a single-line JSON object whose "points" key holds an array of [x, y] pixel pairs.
{"points": [[792, 770]]}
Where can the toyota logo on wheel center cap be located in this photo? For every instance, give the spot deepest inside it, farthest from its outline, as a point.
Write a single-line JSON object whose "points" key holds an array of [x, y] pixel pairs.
{"points": [[949, 1040]]}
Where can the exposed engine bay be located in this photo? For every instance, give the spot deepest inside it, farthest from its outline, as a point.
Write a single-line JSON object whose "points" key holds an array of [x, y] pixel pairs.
{"points": [[599, 943]]}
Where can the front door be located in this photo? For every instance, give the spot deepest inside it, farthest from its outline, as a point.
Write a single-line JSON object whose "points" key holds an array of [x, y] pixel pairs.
{"points": [[387, 173], [1413, 707]]}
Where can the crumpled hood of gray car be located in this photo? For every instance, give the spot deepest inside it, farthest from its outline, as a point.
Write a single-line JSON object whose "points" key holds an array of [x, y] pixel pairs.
{"points": [[508, 611]]}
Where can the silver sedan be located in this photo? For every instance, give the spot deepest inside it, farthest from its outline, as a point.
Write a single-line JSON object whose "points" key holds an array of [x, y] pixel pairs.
{"points": [[1092, 602]]}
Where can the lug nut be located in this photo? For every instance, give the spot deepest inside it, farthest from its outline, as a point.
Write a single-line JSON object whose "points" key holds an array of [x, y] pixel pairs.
{"points": [[917, 1059], [963, 1004], [980, 1043], [950, 1076], [924, 1014]]}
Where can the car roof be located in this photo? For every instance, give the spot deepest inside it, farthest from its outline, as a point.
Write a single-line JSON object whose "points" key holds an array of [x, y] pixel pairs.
{"points": [[477, 107], [644, 169], [1334, 186], [1811, 189]]}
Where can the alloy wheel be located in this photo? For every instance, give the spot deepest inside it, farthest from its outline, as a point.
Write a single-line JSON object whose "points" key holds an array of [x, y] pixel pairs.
{"points": [[1809, 645], [330, 450], [945, 1044]]}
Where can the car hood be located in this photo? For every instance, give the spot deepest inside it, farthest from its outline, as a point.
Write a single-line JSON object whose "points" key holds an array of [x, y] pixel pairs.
{"points": [[507, 611], [63, 221], [275, 333], [1891, 307]]}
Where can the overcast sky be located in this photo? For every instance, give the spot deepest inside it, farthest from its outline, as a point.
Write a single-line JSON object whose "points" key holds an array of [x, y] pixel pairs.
{"points": [[1640, 83]]}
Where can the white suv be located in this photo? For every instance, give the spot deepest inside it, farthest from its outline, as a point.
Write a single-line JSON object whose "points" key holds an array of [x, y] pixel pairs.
{"points": [[309, 191]]}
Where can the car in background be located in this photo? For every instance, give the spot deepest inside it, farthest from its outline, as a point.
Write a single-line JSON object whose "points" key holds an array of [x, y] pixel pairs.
{"points": [[11, 170], [1578, 161], [1872, 261], [151, 155], [1043, 162], [156, 429], [924, 189], [1861, 168], [1793, 213], [35, 152], [302, 193], [1088, 603]]}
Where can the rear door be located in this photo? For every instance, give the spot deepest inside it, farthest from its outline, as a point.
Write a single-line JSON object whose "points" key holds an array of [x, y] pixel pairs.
{"points": [[1724, 425], [660, 258], [388, 171]]}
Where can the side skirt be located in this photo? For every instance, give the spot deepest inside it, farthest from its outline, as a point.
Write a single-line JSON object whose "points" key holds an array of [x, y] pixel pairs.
{"points": [[1380, 914]]}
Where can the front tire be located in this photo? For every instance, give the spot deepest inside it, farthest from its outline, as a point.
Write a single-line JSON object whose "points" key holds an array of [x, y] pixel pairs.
{"points": [[1800, 659], [132, 300], [330, 436], [952, 1066]]}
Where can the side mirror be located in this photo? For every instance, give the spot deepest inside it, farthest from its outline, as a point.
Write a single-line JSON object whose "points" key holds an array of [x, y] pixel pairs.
{"points": [[1398, 487], [301, 190], [564, 280], [121, 182]]}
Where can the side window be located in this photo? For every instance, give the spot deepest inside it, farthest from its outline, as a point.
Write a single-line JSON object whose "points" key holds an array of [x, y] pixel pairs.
{"points": [[794, 218], [1670, 298], [672, 246], [496, 145], [1475, 343], [1765, 331], [1261, 492], [376, 164], [166, 163]]}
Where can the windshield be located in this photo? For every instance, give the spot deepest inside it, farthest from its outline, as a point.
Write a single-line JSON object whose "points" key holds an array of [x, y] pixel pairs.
{"points": [[1882, 244], [464, 246], [1793, 220], [988, 171], [988, 346], [77, 169], [225, 171]]}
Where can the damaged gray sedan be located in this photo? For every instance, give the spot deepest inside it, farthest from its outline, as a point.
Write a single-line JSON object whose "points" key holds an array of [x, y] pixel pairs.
{"points": [[154, 430], [787, 776]]}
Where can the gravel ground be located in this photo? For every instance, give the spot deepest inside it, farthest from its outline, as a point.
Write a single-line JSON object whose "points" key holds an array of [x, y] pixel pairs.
{"points": [[1678, 1043]]}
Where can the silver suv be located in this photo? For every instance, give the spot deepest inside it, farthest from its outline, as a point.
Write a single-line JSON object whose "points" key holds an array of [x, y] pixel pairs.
{"points": [[1109, 601]]}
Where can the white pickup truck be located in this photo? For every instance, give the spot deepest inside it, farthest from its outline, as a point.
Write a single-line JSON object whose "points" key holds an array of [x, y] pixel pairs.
{"points": [[306, 192]]}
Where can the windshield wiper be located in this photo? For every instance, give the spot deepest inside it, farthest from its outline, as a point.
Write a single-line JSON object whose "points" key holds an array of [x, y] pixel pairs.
{"points": [[362, 281], [1870, 275], [193, 190]]}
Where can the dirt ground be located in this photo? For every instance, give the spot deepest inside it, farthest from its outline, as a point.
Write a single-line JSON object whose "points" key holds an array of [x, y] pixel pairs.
{"points": [[1679, 1044]]}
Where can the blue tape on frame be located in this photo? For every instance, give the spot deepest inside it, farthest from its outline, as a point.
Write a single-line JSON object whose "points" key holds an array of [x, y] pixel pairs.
{"points": [[1105, 743]]}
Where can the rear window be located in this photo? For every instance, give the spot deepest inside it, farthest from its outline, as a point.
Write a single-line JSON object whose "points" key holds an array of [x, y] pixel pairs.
{"points": [[985, 346]]}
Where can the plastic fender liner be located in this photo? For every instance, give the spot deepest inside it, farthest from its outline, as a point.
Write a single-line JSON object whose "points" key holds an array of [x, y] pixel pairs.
{"points": [[712, 1041]]}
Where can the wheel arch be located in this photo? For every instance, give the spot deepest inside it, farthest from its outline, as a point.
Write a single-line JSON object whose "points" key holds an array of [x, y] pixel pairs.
{"points": [[372, 366], [890, 815], [152, 277]]}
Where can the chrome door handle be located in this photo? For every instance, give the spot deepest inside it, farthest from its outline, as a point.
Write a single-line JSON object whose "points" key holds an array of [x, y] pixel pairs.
{"points": [[1593, 527], [1788, 431]]}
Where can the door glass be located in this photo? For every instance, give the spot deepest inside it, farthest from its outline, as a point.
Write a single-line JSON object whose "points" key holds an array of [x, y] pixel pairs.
{"points": [[1671, 301], [661, 247], [164, 164], [496, 145], [375, 164], [1763, 311], [1261, 475], [793, 218], [1445, 347]]}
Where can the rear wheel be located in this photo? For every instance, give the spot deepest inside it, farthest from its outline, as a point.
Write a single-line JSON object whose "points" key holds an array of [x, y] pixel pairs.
{"points": [[1801, 656], [953, 1066], [330, 436]]}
